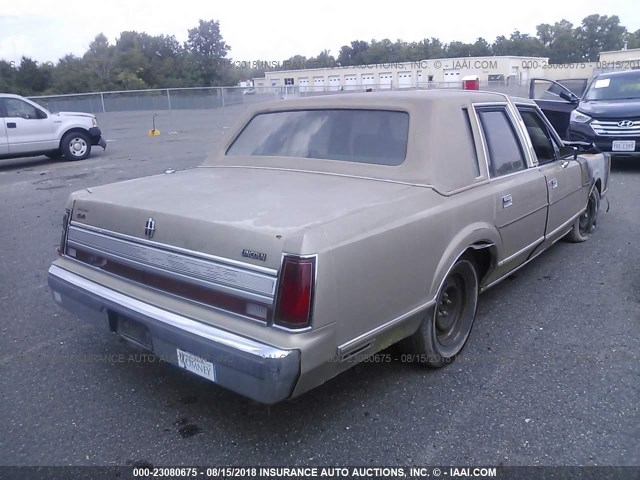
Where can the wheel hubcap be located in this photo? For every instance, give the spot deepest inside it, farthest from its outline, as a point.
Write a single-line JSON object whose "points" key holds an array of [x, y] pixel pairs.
{"points": [[78, 147]]}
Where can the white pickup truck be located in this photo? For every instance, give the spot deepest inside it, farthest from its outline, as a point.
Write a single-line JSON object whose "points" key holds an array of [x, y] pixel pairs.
{"points": [[28, 129]]}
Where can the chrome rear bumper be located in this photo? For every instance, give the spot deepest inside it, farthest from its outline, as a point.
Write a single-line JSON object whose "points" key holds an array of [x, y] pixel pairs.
{"points": [[255, 370]]}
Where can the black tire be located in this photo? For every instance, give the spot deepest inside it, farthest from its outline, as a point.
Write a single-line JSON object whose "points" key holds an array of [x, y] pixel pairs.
{"points": [[76, 146], [585, 224], [446, 327]]}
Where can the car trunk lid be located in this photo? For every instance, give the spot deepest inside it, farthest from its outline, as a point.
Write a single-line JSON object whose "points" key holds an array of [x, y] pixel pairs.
{"points": [[240, 214]]}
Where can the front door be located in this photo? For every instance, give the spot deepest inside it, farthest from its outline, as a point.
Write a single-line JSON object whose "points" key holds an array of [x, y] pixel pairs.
{"points": [[28, 128], [546, 94], [563, 174]]}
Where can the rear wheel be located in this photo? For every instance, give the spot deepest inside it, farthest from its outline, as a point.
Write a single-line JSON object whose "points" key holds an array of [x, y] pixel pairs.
{"points": [[585, 224], [444, 331], [76, 146]]}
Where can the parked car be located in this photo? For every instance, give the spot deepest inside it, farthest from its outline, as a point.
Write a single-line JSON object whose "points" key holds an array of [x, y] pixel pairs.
{"points": [[324, 230], [249, 91], [606, 115], [28, 129], [546, 93]]}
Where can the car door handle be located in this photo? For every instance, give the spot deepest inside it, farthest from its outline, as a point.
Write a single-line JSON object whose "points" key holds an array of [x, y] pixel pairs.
{"points": [[11, 125], [553, 183], [507, 201], [564, 164]]}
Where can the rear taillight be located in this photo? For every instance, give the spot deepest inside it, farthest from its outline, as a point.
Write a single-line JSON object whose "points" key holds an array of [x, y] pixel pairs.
{"points": [[65, 228], [295, 293]]}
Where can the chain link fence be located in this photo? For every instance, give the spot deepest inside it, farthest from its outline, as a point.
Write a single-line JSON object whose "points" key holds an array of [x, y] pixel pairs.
{"points": [[206, 98]]}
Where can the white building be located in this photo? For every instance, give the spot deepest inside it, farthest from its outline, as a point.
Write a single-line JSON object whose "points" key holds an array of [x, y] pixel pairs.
{"points": [[445, 72]]}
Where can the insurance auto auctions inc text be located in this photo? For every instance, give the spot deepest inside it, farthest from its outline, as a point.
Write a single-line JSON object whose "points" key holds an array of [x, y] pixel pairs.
{"points": [[356, 472]]}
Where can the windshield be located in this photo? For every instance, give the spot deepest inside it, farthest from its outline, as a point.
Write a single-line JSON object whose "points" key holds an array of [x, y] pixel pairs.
{"points": [[365, 136], [615, 87]]}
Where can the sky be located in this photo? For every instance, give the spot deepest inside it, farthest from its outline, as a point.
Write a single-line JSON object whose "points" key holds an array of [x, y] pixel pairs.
{"points": [[274, 31]]}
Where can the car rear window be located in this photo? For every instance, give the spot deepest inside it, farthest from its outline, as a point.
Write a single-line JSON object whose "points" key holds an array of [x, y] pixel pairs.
{"points": [[364, 136]]}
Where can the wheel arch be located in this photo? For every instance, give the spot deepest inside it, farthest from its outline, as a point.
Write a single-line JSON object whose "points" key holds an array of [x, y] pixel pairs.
{"points": [[481, 242], [71, 130]]}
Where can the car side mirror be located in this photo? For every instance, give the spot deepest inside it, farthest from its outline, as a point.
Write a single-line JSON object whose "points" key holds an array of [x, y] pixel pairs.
{"points": [[581, 147], [568, 96]]}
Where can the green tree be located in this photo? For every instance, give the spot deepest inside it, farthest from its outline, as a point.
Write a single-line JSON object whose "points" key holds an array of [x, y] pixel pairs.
{"points": [[7, 76], [99, 59], [206, 44], [32, 78], [458, 49], [297, 62], [563, 46], [518, 44], [633, 39], [480, 48], [352, 55], [71, 75], [599, 33], [323, 60]]}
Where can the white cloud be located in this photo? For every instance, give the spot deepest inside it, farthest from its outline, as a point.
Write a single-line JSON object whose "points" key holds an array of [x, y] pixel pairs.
{"points": [[262, 30]]}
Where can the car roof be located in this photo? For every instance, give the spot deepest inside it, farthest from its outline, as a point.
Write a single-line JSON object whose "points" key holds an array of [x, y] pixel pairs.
{"points": [[407, 100]]}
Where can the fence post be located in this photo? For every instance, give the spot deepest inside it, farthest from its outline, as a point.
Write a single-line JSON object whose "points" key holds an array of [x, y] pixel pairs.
{"points": [[169, 99], [222, 95], [102, 101]]}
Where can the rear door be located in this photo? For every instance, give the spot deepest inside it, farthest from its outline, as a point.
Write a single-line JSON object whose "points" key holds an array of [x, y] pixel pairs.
{"points": [[563, 174], [28, 128], [519, 189]]}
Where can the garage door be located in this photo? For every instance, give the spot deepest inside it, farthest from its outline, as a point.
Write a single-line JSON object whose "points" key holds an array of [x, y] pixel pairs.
{"points": [[420, 83], [368, 80], [385, 80], [304, 84], [334, 83], [452, 78], [350, 82], [318, 84], [404, 80]]}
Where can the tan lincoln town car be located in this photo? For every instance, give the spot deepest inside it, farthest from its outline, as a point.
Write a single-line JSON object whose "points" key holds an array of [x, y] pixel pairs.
{"points": [[324, 229]]}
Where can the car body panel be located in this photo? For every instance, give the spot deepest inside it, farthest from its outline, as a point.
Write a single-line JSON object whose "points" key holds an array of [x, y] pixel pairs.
{"points": [[4, 140], [383, 238]]}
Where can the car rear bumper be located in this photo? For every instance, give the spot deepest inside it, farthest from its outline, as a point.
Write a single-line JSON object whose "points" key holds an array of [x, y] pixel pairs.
{"points": [[250, 368], [96, 137], [584, 133]]}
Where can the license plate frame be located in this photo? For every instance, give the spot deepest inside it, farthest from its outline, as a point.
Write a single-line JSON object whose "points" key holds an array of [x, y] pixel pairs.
{"points": [[623, 146]]}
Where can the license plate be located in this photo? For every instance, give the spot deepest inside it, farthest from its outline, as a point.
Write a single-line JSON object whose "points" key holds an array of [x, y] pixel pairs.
{"points": [[623, 145], [197, 365]]}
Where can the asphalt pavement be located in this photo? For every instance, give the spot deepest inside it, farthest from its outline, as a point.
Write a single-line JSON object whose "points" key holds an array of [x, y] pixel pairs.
{"points": [[550, 375]]}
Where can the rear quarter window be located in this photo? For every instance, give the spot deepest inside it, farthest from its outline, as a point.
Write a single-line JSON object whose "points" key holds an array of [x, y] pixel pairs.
{"points": [[363, 136]]}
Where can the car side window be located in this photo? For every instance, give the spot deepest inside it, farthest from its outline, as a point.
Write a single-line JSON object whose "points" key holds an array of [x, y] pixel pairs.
{"points": [[18, 109], [540, 136], [505, 151]]}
